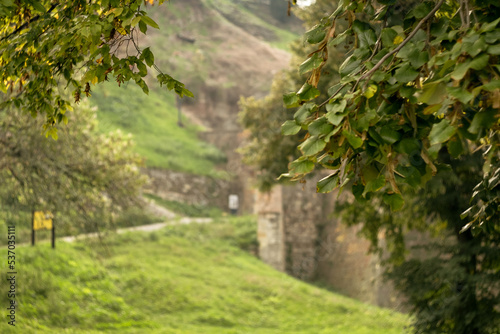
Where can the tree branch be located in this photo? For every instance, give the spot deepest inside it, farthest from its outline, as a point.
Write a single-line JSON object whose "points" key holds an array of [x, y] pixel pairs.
{"points": [[25, 24], [400, 46]]}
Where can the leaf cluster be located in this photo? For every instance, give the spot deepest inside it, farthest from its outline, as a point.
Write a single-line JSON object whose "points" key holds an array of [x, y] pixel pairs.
{"points": [[48, 47], [449, 277], [409, 86]]}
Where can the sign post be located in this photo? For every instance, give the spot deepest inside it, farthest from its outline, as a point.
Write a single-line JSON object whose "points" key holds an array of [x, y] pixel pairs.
{"points": [[233, 203], [42, 220], [33, 228]]}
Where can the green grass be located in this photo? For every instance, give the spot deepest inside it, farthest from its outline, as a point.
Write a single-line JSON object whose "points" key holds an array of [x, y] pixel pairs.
{"points": [[182, 279], [152, 119]]}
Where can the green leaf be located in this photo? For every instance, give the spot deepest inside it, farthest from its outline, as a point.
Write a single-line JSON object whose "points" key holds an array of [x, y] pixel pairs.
{"points": [[387, 36], [484, 119], [336, 106], [375, 184], [389, 135], [441, 132], [148, 57], [340, 38], [349, 65], [405, 74], [492, 36], [141, 83], [478, 46], [460, 70], [494, 49], [367, 38], [290, 128], [186, 92], [335, 118], [395, 201], [312, 146], [432, 93], [143, 27], [420, 11], [301, 166], [480, 62], [143, 70], [489, 26], [316, 34], [291, 100], [411, 175], [149, 21], [303, 112], [370, 173], [460, 94], [418, 58], [327, 184], [358, 190], [363, 123], [319, 127], [117, 11], [311, 63], [492, 85], [39, 7], [353, 140], [308, 92], [135, 21], [409, 146]]}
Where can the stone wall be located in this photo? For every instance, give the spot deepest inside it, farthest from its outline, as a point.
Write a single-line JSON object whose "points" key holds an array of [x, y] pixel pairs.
{"points": [[300, 235], [303, 213], [188, 188]]}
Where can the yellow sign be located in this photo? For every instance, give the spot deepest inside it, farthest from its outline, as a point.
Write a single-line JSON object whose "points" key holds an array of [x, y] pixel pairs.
{"points": [[42, 220]]}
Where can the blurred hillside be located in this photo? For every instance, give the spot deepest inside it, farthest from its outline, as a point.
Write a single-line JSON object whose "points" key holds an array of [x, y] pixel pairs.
{"points": [[222, 50]]}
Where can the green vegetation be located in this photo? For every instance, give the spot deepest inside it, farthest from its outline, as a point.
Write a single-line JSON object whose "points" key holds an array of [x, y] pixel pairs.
{"points": [[153, 122], [182, 279], [47, 45], [418, 78], [394, 98], [84, 178], [239, 15]]}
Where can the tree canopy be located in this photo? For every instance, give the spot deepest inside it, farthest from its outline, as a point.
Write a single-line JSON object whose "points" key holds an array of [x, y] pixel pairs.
{"points": [[83, 177], [418, 77], [380, 87], [48, 47]]}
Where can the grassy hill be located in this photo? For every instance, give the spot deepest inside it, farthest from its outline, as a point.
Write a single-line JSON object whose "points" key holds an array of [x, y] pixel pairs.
{"points": [[182, 279], [229, 38], [152, 120]]}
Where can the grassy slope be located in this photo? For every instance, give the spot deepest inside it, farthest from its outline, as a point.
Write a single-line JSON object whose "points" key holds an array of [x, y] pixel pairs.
{"points": [[152, 119], [283, 37], [183, 279]]}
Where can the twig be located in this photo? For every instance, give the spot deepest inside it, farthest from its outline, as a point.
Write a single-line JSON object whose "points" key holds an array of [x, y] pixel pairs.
{"points": [[332, 96], [467, 14], [375, 48]]}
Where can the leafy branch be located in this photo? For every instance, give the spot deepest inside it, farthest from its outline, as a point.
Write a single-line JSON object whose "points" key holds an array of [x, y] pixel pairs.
{"points": [[403, 43]]}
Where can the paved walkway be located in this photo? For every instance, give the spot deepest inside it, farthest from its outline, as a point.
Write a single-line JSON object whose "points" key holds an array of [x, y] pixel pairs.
{"points": [[144, 228]]}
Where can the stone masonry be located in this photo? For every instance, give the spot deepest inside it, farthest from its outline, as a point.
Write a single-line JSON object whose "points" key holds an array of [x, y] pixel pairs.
{"points": [[299, 234]]}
